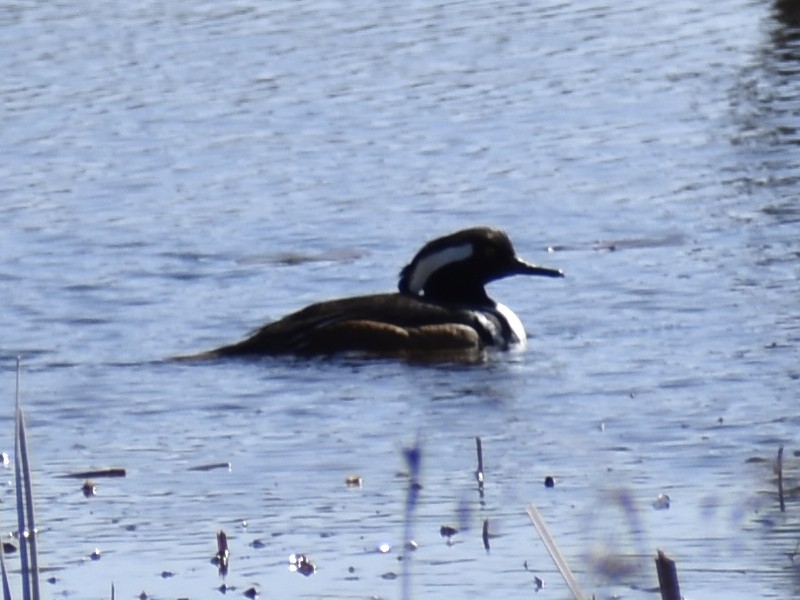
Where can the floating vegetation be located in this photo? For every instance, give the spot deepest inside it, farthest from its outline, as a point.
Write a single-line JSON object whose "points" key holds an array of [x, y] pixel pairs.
{"points": [[448, 531], [88, 488], [538, 583], [353, 481], [661, 502], [300, 563]]}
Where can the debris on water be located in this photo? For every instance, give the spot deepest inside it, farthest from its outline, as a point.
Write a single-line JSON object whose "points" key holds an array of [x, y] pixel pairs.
{"points": [[225, 588], [389, 576], [411, 545], [354, 481], [222, 557], [251, 592], [257, 544], [661, 502], [302, 564], [211, 467], [114, 472], [549, 481], [51, 580], [448, 531], [384, 548], [486, 534], [95, 555], [9, 548], [143, 595], [88, 488], [4, 459], [167, 574], [538, 583]]}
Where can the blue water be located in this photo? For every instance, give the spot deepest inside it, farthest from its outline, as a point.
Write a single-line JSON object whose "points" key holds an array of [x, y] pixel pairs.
{"points": [[173, 175]]}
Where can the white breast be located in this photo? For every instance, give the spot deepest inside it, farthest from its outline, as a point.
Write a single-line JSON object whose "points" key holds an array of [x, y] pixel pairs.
{"points": [[517, 328]]}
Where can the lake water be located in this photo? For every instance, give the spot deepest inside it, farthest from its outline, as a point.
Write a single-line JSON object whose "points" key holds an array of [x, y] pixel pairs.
{"points": [[173, 175]]}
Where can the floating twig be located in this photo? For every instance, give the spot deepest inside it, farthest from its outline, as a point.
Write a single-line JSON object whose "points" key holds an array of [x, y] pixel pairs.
{"points": [[211, 467], [780, 478], [486, 534], [667, 577], [113, 472], [554, 552]]}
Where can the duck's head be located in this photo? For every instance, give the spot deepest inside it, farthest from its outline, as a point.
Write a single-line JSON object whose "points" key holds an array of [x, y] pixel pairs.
{"points": [[455, 268]]}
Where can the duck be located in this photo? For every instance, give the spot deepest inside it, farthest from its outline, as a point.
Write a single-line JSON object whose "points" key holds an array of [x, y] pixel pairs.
{"points": [[440, 306]]}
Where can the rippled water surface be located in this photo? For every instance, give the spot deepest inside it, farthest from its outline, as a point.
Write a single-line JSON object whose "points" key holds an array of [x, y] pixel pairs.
{"points": [[175, 174]]}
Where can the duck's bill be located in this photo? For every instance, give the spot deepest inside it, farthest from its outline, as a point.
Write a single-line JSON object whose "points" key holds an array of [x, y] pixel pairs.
{"points": [[526, 268]]}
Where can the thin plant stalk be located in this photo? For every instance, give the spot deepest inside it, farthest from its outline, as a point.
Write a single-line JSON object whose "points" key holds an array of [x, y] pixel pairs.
{"points": [[413, 458], [26, 523], [21, 530], [4, 575], [30, 519], [780, 478], [555, 553]]}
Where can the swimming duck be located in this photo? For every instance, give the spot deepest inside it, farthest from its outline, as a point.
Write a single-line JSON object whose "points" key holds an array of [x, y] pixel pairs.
{"points": [[441, 306]]}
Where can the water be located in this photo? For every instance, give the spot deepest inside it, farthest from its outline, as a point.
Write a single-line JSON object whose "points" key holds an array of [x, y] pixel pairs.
{"points": [[174, 175]]}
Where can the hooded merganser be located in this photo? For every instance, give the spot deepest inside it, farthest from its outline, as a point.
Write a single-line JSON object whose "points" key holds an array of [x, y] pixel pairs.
{"points": [[441, 306]]}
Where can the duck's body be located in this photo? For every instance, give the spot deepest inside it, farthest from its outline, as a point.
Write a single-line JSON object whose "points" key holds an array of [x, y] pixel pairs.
{"points": [[441, 306]]}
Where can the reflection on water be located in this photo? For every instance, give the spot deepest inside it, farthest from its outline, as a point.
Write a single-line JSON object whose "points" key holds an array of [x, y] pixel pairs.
{"points": [[767, 105]]}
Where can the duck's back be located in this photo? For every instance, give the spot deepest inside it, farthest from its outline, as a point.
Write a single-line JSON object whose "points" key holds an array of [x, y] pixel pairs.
{"points": [[379, 323]]}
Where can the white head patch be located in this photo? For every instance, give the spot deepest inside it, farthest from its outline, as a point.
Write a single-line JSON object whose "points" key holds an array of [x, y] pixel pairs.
{"points": [[433, 262]]}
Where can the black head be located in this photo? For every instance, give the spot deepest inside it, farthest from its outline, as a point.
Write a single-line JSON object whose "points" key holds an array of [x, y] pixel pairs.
{"points": [[455, 268]]}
